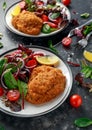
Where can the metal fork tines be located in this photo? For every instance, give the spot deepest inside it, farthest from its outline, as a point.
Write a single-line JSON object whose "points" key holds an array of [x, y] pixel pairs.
{"points": [[83, 42]]}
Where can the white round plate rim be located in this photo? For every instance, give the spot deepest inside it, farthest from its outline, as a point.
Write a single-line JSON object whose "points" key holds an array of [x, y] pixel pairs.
{"points": [[8, 24], [37, 110]]}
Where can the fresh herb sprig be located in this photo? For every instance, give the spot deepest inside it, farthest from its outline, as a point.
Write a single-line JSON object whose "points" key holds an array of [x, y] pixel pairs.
{"points": [[4, 5], [85, 15], [87, 29], [86, 70], [30, 5], [52, 47]]}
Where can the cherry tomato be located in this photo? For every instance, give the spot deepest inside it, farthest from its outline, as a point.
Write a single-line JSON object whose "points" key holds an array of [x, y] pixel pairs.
{"points": [[52, 25], [66, 2], [58, 20], [31, 63], [1, 91], [44, 18], [13, 95], [66, 41], [76, 100]]}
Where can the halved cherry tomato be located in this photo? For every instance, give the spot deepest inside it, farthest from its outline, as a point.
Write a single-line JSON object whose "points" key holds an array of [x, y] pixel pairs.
{"points": [[66, 41], [52, 25], [44, 18], [66, 2], [13, 95], [76, 100], [1, 91], [58, 20], [31, 63]]}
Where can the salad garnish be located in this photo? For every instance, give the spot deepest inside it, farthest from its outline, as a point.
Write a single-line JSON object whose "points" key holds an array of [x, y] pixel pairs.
{"points": [[52, 47], [4, 5], [85, 15]]}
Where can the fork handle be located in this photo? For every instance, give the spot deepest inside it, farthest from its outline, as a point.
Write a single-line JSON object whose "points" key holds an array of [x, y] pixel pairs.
{"points": [[71, 33], [88, 36], [87, 23]]}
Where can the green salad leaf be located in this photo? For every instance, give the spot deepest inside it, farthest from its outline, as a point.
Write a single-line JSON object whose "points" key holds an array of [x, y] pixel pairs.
{"points": [[22, 87], [3, 61], [9, 79]]}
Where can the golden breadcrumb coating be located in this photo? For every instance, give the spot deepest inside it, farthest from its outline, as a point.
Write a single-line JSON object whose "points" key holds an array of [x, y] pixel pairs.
{"points": [[45, 84], [27, 22]]}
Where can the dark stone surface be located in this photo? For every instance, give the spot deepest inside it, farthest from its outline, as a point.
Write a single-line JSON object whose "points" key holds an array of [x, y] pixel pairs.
{"points": [[63, 117]]}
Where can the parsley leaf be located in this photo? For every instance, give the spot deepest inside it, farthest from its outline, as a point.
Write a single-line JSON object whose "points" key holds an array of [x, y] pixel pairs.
{"points": [[4, 5], [85, 15]]}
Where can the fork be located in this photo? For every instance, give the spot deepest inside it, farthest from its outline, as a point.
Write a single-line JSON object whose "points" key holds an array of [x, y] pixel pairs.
{"points": [[71, 33], [83, 42]]}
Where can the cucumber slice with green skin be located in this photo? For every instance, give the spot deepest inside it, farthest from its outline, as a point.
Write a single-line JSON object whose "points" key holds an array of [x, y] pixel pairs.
{"points": [[46, 28]]}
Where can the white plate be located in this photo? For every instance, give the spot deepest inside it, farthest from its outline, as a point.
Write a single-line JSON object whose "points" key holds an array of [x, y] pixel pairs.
{"points": [[31, 110], [8, 18]]}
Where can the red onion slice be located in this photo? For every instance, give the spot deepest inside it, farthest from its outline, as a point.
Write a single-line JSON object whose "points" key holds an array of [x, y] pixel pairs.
{"points": [[20, 60]]}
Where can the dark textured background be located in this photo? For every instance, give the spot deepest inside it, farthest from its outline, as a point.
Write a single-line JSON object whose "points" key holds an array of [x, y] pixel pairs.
{"points": [[63, 117]]}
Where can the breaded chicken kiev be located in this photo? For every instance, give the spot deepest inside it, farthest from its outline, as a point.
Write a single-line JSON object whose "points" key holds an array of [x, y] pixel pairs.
{"points": [[45, 84], [27, 22]]}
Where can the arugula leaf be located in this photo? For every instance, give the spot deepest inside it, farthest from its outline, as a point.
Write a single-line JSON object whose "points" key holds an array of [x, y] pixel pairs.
{"points": [[22, 87], [9, 79], [4, 5]]}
